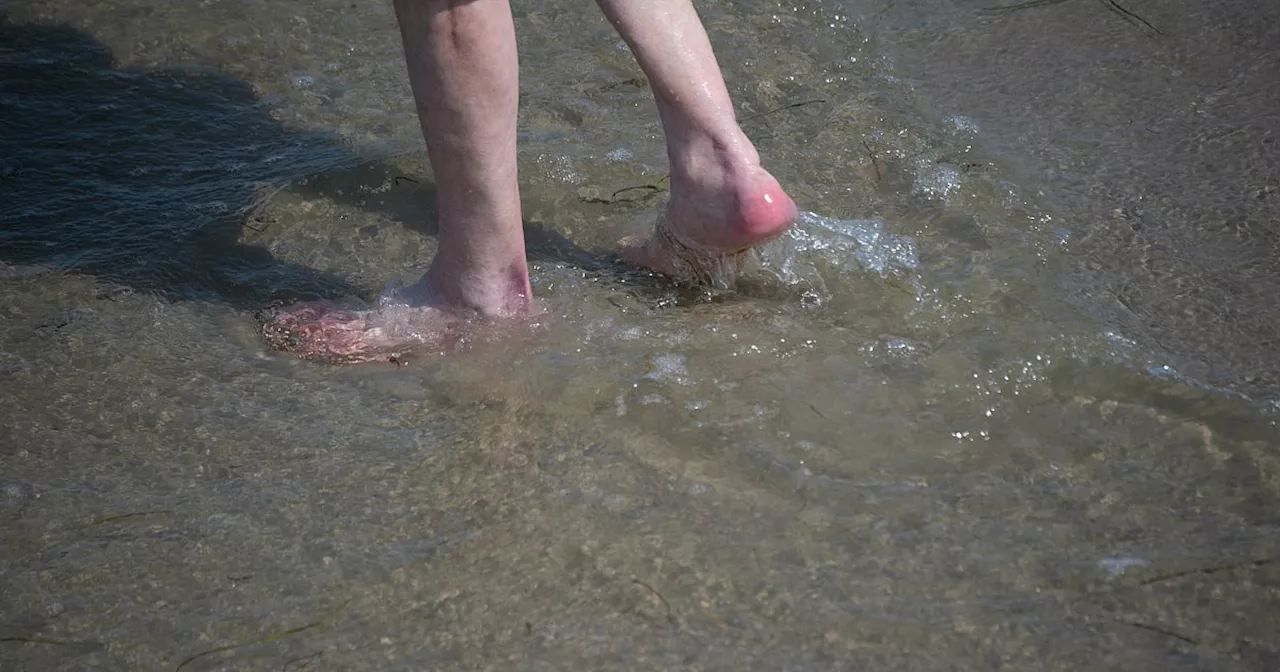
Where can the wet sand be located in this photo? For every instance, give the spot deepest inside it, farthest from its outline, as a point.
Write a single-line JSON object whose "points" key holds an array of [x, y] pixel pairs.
{"points": [[979, 455]]}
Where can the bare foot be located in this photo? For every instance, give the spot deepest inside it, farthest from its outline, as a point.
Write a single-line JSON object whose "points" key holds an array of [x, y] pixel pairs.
{"points": [[716, 213], [344, 333], [406, 321]]}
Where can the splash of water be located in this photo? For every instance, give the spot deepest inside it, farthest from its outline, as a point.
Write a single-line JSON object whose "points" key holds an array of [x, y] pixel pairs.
{"points": [[843, 244]]}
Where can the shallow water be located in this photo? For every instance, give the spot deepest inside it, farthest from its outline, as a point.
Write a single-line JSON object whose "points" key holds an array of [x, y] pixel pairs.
{"points": [[936, 428]]}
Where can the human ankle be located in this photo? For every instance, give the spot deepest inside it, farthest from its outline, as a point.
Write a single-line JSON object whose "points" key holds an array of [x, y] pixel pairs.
{"points": [[699, 153], [486, 291]]}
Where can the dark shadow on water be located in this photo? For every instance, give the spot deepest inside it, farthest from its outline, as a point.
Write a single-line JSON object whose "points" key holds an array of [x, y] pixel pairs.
{"points": [[143, 179], [391, 190]]}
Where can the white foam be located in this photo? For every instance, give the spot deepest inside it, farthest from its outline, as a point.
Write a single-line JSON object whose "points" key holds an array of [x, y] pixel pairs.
{"points": [[937, 181], [842, 243]]}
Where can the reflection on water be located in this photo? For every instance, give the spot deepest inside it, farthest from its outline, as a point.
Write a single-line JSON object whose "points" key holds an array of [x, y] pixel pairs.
{"points": [[914, 434]]}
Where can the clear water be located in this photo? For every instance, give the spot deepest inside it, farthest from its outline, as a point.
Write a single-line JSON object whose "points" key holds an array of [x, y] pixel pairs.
{"points": [[1004, 399]]}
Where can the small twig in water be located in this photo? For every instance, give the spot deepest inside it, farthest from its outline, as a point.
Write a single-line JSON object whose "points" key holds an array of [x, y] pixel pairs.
{"points": [[1158, 630], [651, 188], [1129, 16], [890, 5], [266, 639], [783, 109], [1120, 10], [1207, 570], [671, 618], [305, 660], [875, 165], [638, 82], [1021, 5], [262, 224]]}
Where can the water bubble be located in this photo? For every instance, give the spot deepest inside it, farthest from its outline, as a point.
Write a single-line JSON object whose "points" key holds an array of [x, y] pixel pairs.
{"points": [[560, 168], [1117, 565], [937, 181], [629, 334], [845, 244], [667, 366], [873, 248], [964, 124]]}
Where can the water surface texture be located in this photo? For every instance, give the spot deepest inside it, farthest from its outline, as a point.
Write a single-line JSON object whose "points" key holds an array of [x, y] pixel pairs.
{"points": [[1006, 398]]}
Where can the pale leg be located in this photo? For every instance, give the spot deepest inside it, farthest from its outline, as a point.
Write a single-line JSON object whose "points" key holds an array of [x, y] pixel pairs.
{"points": [[463, 68], [722, 201]]}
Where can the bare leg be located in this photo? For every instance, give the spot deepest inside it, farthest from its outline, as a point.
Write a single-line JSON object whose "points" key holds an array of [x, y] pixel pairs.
{"points": [[462, 62], [463, 68], [722, 201]]}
